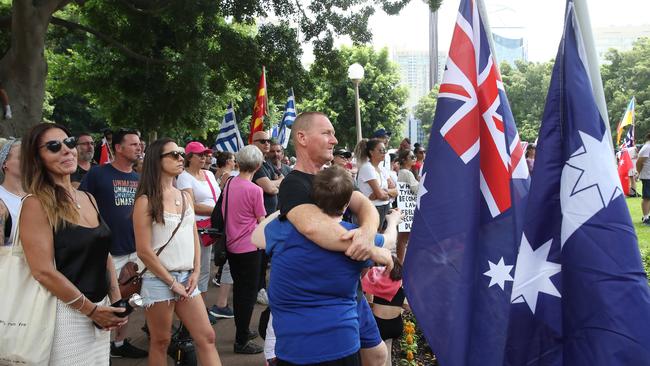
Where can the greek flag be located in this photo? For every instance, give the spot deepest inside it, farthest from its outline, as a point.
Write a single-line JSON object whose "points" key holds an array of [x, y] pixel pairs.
{"points": [[284, 132], [229, 138]]}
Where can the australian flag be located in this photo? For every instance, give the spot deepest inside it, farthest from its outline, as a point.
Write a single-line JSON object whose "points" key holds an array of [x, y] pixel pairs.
{"points": [[229, 138], [284, 130], [580, 294], [467, 224]]}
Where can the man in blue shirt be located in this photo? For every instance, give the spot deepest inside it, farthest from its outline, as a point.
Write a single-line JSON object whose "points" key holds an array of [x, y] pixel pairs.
{"points": [[114, 185]]}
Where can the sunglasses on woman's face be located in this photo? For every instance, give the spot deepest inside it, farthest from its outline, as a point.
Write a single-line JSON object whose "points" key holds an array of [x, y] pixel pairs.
{"points": [[174, 154], [56, 145]]}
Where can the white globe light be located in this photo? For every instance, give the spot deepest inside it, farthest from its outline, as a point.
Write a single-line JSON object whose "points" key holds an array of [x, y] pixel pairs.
{"points": [[355, 72]]}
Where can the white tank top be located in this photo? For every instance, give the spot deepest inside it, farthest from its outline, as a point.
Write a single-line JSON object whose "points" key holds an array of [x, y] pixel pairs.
{"points": [[178, 255]]}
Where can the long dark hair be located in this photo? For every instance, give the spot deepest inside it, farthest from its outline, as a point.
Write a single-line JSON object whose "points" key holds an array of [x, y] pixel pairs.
{"points": [[36, 180], [150, 179]]}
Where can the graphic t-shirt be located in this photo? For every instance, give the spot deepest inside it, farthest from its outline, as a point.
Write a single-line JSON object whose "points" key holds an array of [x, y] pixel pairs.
{"points": [[115, 194]]}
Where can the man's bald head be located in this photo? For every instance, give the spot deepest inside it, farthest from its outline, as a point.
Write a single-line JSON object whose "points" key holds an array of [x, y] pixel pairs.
{"points": [[262, 141], [305, 121]]}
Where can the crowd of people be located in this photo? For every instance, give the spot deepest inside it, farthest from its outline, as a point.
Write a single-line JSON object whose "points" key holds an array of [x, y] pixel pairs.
{"points": [[325, 220]]}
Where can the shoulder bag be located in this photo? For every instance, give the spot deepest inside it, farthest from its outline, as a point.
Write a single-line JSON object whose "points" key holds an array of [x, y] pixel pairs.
{"points": [[219, 222], [27, 309], [129, 280]]}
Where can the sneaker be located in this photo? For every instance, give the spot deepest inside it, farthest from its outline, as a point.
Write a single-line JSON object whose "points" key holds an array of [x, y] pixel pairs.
{"points": [[252, 334], [127, 350], [212, 318], [224, 312], [646, 222], [216, 282], [249, 348], [262, 297]]}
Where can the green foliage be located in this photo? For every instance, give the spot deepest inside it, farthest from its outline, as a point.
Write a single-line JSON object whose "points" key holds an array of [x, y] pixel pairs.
{"points": [[381, 97], [627, 74], [426, 109], [526, 85]]}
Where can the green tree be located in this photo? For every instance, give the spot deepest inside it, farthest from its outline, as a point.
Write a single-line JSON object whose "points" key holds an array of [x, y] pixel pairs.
{"points": [[426, 109], [183, 49], [381, 97], [627, 74], [526, 86]]}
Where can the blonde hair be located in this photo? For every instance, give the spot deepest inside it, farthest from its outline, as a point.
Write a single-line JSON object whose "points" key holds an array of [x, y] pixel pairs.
{"points": [[37, 181]]}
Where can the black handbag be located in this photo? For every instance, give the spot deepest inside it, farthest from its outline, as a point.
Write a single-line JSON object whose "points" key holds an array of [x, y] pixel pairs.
{"points": [[218, 220]]}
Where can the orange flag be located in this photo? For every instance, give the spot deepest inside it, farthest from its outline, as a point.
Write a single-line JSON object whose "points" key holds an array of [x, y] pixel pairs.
{"points": [[260, 109]]}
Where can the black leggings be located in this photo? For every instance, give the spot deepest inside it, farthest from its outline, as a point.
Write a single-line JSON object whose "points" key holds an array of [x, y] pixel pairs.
{"points": [[245, 270], [390, 328]]}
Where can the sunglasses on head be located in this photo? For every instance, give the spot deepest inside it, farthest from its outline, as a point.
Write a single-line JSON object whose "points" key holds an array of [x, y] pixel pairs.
{"points": [[173, 154], [263, 141], [56, 145]]}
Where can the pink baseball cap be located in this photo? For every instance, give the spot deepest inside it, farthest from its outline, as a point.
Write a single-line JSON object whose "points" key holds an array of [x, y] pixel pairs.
{"points": [[195, 147]]}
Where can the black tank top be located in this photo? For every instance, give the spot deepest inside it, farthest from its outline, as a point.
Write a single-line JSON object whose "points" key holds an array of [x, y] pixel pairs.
{"points": [[81, 255]]}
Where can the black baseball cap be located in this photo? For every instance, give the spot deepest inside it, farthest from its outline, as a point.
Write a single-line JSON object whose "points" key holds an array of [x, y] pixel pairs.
{"points": [[343, 152]]}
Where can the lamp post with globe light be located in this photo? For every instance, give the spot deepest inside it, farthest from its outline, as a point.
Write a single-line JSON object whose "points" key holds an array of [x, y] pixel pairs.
{"points": [[355, 73]]}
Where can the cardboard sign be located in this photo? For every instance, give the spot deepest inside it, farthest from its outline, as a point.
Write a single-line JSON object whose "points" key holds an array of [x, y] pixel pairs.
{"points": [[406, 203]]}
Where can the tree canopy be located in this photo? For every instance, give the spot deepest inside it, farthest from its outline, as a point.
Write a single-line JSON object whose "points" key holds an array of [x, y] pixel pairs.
{"points": [[381, 97], [160, 63], [627, 74]]}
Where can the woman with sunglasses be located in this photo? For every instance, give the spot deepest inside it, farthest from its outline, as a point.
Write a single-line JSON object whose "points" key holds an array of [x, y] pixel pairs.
{"points": [[373, 180], [66, 245], [11, 189], [163, 215], [406, 159], [204, 192]]}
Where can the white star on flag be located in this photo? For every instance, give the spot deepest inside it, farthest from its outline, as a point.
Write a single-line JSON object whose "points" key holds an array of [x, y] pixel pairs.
{"points": [[422, 190], [499, 273], [589, 183], [533, 274]]}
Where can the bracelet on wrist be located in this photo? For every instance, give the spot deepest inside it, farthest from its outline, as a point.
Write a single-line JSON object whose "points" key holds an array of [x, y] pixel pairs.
{"points": [[92, 311], [173, 283]]}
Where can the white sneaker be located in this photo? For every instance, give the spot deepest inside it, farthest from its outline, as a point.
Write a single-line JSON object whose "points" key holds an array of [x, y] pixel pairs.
{"points": [[262, 297]]}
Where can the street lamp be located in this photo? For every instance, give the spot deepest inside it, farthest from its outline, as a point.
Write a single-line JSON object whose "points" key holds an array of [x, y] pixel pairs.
{"points": [[355, 73]]}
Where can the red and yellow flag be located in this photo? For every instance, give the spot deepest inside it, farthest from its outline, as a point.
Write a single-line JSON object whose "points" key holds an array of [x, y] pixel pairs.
{"points": [[260, 109]]}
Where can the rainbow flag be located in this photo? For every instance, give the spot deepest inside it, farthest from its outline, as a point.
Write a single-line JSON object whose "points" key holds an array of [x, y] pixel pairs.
{"points": [[627, 120]]}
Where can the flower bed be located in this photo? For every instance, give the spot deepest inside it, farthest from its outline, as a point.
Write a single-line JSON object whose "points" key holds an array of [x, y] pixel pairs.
{"points": [[412, 349]]}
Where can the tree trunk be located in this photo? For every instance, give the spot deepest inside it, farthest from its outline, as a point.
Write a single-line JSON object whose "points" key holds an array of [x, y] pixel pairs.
{"points": [[23, 69]]}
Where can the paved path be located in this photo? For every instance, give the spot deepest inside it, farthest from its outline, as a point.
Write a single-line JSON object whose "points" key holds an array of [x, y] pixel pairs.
{"points": [[224, 329]]}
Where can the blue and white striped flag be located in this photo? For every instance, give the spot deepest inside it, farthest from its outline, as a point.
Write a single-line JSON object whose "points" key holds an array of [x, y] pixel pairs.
{"points": [[284, 132], [229, 138]]}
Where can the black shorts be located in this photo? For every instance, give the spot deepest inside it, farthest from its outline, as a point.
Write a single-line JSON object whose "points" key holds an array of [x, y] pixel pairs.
{"points": [[390, 328], [646, 188], [351, 360]]}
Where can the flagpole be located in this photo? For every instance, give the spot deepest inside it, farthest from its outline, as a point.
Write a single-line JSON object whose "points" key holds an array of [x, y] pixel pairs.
{"points": [[584, 22]]}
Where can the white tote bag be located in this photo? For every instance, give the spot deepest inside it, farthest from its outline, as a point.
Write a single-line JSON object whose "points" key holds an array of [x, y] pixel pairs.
{"points": [[27, 310]]}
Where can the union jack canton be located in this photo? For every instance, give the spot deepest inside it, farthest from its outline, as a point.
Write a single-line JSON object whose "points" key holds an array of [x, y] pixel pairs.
{"points": [[473, 86]]}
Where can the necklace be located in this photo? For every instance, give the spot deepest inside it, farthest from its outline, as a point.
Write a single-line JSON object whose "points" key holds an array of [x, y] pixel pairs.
{"points": [[76, 202]]}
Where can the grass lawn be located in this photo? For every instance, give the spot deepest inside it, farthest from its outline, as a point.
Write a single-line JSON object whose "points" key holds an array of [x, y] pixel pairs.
{"points": [[642, 231]]}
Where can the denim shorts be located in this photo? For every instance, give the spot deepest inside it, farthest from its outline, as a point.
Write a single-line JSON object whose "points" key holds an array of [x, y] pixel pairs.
{"points": [[155, 290]]}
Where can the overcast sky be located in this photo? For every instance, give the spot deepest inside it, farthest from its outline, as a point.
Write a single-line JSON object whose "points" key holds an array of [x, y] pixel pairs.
{"points": [[539, 21]]}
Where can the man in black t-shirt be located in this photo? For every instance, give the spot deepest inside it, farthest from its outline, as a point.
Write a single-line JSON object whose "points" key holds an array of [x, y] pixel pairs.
{"points": [[314, 140], [269, 180]]}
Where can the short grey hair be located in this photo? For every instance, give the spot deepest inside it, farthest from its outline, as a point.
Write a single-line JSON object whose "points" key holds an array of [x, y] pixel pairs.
{"points": [[249, 158]]}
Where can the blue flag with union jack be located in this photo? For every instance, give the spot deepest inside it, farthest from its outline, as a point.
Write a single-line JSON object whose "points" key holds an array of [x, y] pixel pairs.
{"points": [[466, 229], [580, 294]]}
